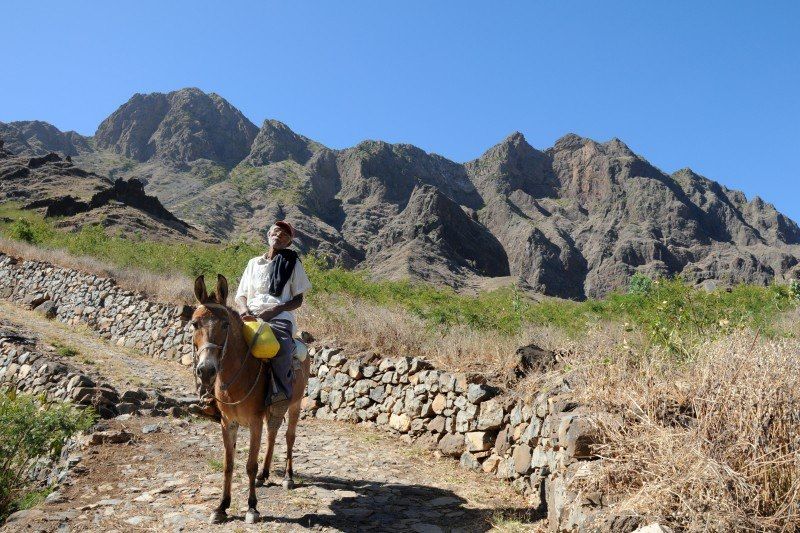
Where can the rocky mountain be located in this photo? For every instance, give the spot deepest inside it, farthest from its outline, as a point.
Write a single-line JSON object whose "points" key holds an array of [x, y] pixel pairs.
{"points": [[58, 188], [179, 127], [574, 220], [33, 137]]}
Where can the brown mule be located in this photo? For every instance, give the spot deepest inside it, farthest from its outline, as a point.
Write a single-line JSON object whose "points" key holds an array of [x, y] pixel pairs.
{"points": [[238, 382]]}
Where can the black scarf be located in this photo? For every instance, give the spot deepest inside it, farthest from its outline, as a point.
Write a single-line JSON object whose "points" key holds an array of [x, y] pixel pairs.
{"points": [[280, 271]]}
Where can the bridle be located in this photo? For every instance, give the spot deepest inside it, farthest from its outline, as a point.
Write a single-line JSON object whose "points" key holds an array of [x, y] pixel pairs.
{"points": [[223, 352]]}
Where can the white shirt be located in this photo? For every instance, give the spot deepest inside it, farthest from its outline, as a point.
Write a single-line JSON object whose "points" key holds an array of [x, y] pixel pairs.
{"points": [[254, 285]]}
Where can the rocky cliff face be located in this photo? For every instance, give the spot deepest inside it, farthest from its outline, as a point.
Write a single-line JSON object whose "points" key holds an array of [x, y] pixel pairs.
{"points": [[59, 188], [179, 127], [574, 220]]}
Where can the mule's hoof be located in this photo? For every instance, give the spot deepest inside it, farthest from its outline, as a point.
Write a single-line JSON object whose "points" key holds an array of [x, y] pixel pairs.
{"points": [[218, 517], [288, 484], [252, 516], [260, 481]]}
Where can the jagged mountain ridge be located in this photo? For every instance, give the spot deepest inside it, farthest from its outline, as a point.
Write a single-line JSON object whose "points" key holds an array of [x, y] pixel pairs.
{"points": [[574, 220]]}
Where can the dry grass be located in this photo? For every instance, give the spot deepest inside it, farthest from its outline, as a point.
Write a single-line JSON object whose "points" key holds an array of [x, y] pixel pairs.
{"points": [[363, 326], [167, 288], [713, 444]]}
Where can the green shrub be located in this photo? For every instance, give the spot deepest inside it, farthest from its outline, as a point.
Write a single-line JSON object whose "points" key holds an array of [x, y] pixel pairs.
{"points": [[22, 230], [794, 289], [29, 429], [640, 284], [199, 265], [678, 317], [64, 350]]}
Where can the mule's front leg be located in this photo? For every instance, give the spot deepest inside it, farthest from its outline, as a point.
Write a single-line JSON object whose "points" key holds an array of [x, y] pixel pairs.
{"points": [[256, 427], [229, 431], [272, 434], [294, 416]]}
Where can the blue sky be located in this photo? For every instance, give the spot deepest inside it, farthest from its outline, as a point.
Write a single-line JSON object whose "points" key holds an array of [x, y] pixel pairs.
{"points": [[712, 85]]}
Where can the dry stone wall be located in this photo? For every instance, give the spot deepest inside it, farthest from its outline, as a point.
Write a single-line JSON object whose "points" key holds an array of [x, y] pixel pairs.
{"points": [[124, 317], [540, 444]]}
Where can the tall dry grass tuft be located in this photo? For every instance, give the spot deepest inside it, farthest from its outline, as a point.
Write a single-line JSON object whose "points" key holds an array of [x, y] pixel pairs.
{"points": [[713, 444], [167, 288]]}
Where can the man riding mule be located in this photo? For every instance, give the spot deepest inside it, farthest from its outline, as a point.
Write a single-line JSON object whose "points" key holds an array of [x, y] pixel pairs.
{"points": [[244, 390]]}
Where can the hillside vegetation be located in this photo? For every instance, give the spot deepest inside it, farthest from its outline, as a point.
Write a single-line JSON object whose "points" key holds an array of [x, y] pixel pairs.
{"points": [[32, 429], [669, 312]]}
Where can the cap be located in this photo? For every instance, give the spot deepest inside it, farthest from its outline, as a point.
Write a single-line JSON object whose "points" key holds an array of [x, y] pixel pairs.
{"points": [[286, 227]]}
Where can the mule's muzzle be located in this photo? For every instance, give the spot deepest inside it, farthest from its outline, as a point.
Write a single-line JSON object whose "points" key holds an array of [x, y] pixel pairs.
{"points": [[206, 372]]}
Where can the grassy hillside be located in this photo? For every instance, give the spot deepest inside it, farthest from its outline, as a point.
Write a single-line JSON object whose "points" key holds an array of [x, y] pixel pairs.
{"points": [[669, 312]]}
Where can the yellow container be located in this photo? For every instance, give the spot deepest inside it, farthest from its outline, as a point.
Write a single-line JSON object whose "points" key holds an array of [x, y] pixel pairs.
{"points": [[266, 345]]}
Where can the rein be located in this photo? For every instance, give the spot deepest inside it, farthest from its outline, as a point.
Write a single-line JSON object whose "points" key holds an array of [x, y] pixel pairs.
{"points": [[223, 351]]}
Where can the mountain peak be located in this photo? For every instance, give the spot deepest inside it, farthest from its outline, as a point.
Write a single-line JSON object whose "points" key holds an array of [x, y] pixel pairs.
{"points": [[570, 141], [277, 142], [617, 147], [515, 138], [178, 127]]}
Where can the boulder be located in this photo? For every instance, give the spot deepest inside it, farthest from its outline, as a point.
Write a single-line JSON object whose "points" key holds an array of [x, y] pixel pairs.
{"points": [[47, 309], [111, 436], [469, 461], [490, 415], [452, 444], [437, 425], [476, 392], [522, 459], [439, 403], [532, 359], [400, 422], [126, 408], [478, 441], [490, 464], [577, 435]]}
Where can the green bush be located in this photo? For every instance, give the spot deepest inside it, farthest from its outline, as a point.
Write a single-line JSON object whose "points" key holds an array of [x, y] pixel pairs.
{"points": [[29, 429], [640, 284], [678, 317], [22, 230], [794, 289]]}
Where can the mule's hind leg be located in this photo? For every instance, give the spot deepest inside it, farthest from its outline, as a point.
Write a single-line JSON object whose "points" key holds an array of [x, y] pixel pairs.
{"points": [[272, 433], [256, 428], [229, 432], [294, 416]]}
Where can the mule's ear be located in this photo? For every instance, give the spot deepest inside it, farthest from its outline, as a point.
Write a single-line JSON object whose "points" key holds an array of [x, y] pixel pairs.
{"points": [[200, 291], [222, 289]]}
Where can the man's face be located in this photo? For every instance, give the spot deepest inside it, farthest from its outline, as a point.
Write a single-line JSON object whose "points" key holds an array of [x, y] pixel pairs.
{"points": [[279, 238]]}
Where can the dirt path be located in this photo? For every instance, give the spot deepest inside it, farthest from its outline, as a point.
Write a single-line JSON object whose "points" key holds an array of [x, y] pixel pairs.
{"points": [[167, 477]]}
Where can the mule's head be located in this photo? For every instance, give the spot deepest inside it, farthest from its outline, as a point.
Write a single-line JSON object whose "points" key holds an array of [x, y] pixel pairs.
{"points": [[210, 323]]}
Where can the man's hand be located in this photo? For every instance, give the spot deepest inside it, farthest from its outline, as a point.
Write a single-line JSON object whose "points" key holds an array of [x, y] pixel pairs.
{"points": [[270, 313], [248, 317]]}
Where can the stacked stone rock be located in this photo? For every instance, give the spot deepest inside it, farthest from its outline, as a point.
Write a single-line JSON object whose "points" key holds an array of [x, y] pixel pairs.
{"points": [[537, 445], [34, 371], [124, 317]]}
